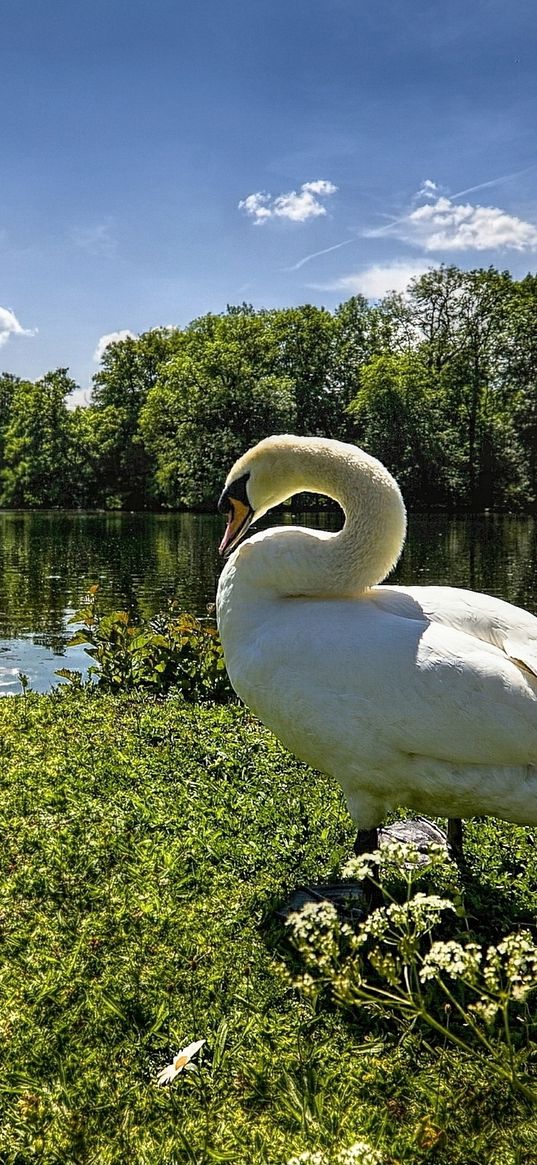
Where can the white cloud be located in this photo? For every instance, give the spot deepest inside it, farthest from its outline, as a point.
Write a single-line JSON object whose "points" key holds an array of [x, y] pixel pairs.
{"points": [[377, 280], [428, 189], [10, 326], [111, 338], [320, 186], [297, 206], [96, 240], [255, 205], [444, 225]]}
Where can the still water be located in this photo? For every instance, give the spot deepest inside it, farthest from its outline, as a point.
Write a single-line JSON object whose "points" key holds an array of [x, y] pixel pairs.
{"points": [[47, 561]]}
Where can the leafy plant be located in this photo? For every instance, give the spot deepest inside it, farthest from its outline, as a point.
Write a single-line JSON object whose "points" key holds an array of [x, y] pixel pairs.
{"points": [[474, 998], [173, 650]]}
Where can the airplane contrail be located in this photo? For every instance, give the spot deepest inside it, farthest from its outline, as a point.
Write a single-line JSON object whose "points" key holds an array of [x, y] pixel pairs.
{"points": [[315, 254], [494, 181]]}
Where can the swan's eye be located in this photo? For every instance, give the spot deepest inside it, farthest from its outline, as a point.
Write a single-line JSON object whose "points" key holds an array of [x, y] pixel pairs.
{"points": [[236, 491], [225, 505]]}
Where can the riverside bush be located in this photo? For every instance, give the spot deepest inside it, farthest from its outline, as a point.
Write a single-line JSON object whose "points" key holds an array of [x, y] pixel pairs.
{"points": [[172, 650]]}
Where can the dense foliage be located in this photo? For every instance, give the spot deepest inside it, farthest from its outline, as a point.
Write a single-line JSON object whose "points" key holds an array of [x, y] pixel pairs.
{"points": [[439, 382], [147, 847], [172, 650]]}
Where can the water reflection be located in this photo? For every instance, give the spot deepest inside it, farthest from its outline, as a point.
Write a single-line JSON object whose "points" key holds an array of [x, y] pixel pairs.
{"points": [[141, 560], [496, 553]]}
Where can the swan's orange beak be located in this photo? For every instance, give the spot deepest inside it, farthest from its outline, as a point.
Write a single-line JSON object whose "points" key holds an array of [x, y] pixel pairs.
{"points": [[240, 517]]}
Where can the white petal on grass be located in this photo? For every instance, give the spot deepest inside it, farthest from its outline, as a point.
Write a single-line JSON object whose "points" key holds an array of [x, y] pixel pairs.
{"points": [[180, 1063]]}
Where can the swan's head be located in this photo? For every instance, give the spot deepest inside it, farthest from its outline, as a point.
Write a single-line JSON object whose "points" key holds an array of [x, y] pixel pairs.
{"points": [[375, 517], [262, 478]]}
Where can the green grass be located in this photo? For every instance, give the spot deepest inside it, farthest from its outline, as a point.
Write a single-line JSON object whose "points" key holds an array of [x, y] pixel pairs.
{"points": [[145, 848]]}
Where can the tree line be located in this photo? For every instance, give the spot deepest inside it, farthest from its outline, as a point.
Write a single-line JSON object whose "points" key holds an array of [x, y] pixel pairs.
{"points": [[440, 383]]}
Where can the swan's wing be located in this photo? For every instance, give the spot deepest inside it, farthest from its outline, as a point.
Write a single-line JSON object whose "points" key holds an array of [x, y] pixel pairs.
{"points": [[378, 684], [484, 617], [523, 654]]}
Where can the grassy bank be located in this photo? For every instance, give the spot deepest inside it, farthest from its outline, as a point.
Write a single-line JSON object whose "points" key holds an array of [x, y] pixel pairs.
{"points": [[145, 850]]}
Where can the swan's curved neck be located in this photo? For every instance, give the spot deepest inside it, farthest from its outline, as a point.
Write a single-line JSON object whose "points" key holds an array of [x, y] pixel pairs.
{"points": [[295, 561]]}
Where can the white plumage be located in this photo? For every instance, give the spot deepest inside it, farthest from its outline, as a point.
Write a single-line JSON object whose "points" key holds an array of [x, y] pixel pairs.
{"points": [[416, 696]]}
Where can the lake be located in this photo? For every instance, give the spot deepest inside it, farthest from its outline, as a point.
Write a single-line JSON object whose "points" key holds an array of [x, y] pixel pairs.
{"points": [[141, 561]]}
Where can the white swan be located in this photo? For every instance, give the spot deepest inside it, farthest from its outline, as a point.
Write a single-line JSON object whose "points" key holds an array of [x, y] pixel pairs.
{"points": [[416, 696]]}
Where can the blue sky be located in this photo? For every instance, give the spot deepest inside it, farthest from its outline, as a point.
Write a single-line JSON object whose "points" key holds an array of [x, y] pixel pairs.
{"points": [[160, 160]]}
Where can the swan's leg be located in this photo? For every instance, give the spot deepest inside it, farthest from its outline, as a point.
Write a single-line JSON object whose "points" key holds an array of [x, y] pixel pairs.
{"points": [[366, 841], [454, 838]]}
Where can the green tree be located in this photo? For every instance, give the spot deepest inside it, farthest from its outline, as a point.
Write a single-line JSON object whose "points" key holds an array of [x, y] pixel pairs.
{"points": [[211, 402], [396, 413], [361, 331], [8, 387], [520, 376], [305, 342], [461, 321], [129, 370], [36, 463]]}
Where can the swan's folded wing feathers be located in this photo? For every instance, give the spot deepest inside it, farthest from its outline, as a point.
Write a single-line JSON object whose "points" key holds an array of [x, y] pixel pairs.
{"points": [[523, 654], [484, 617], [393, 684]]}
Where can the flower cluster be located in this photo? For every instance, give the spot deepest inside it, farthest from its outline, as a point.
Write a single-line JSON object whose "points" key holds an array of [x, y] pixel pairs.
{"points": [[360, 1153], [418, 915], [317, 933], [400, 856], [519, 955], [392, 957], [453, 959]]}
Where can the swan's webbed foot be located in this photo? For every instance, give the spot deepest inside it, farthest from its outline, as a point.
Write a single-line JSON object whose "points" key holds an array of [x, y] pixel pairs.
{"points": [[352, 899], [356, 899]]}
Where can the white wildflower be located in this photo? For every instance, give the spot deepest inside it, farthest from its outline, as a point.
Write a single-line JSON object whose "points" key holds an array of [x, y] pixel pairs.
{"points": [[406, 855], [362, 866], [485, 1009], [313, 916], [452, 958], [376, 925], [360, 1153], [308, 1158], [491, 970], [386, 966], [520, 962], [401, 854], [180, 1063], [316, 931]]}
